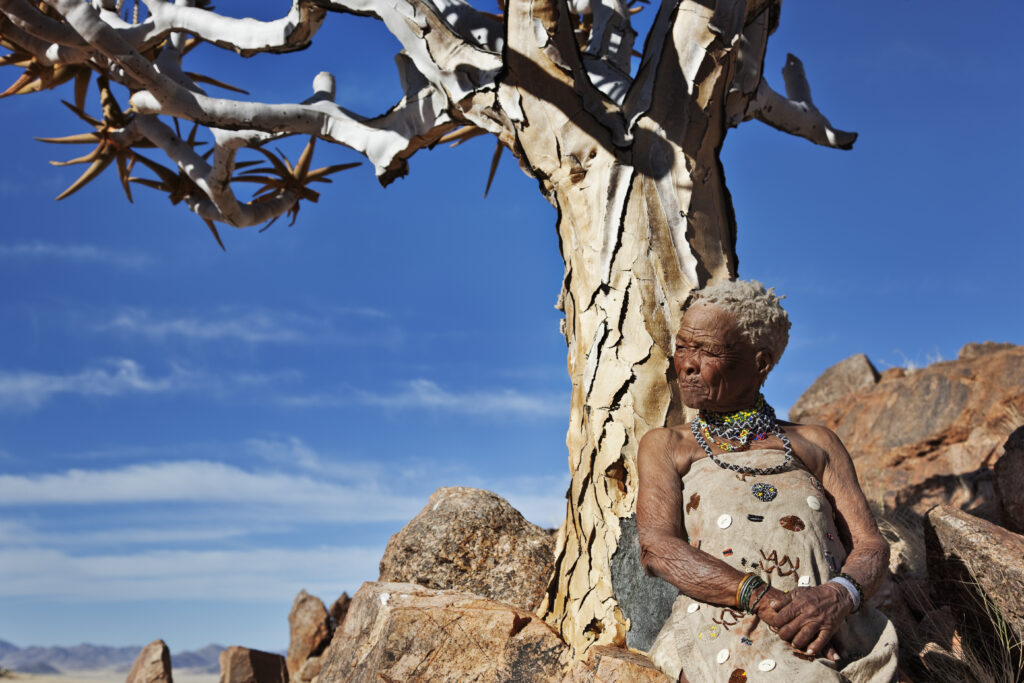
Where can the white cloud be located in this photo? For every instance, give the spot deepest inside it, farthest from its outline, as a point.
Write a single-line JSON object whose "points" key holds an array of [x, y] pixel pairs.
{"points": [[275, 495], [259, 326], [120, 376], [250, 327], [264, 574], [424, 393], [77, 253], [17, 534]]}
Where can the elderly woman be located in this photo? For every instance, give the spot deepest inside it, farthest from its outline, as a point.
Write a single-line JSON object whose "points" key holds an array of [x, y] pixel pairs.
{"points": [[769, 539]]}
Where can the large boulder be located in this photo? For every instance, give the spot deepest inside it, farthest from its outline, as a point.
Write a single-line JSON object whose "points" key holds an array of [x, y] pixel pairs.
{"points": [[964, 550], [1009, 472], [309, 627], [472, 540], [614, 665], [242, 665], [153, 665], [402, 632], [846, 376], [932, 435]]}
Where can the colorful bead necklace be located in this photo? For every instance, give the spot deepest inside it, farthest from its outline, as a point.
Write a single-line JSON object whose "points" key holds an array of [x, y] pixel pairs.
{"points": [[756, 422]]}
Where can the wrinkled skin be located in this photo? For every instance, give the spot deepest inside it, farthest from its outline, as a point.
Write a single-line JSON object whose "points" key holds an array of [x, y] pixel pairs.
{"points": [[718, 369]]}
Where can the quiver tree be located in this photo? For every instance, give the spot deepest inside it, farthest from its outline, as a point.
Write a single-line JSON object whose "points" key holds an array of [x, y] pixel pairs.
{"points": [[630, 160]]}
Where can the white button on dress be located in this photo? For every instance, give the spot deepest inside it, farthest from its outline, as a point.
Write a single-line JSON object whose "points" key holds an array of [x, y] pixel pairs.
{"points": [[766, 665], [813, 503], [724, 521], [723, 655], [692, 608]]}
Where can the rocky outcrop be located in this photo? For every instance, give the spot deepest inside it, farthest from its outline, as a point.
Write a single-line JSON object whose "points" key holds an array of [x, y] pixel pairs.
{"points": [[614, 665], [309, 628], [1009, 473], [964, 550], [401, 632], [339, 608], [153, 665], [932, 435], [242, 665], [846, 376], [472, 540]]}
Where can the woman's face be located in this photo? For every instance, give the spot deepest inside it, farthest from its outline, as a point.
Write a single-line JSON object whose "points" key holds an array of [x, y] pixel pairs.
{"points": [[717, 368]]}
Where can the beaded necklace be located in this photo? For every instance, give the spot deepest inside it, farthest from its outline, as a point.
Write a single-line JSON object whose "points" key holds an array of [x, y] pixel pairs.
{"points": [[756, 422]]}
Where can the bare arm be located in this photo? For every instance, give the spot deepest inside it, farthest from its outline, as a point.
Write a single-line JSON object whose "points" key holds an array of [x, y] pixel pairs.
{"points": [[659, 507], [808, 617]]}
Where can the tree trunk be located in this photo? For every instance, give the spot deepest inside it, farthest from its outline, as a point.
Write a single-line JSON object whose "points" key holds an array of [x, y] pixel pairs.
{"points": [[641, 223]]}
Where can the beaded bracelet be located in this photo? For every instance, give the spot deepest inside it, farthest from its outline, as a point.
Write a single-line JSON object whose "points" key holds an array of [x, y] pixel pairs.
{"points": [[753, 605], [748, 585]]}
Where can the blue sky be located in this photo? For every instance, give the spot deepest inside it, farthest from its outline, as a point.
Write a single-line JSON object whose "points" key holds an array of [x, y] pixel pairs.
{"points": [[188, 437]]}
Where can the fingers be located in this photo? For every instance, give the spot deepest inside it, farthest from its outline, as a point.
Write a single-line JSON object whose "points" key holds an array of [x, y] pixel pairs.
{"points": [[820, 643], [831, 654]]}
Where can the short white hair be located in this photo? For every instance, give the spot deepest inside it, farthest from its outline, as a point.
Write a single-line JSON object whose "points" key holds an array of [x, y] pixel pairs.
{"points": [[758, 312]]}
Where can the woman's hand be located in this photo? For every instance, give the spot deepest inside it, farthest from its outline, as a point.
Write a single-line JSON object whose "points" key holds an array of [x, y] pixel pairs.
{"points": [[808, 617]]}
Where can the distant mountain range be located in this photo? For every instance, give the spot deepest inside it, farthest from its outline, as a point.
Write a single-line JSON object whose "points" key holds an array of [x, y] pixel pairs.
{"points": [[98, 657]]}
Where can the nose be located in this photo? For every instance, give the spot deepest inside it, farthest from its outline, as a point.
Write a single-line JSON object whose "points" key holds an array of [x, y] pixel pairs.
{"points": [[688, 364]]}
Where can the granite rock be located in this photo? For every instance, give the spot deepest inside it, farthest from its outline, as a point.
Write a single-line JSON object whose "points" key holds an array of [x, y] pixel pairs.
{"points": [[153, 665], [472, 540], [1009, 474], [403, 632], [851, 374], [242, 665], [309, 627], [614, 665], [964, 550], [929, 436], [339, 608]]}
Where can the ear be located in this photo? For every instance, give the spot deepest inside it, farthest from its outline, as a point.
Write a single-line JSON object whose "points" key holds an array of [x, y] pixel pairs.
{"points": [[764, 363]]}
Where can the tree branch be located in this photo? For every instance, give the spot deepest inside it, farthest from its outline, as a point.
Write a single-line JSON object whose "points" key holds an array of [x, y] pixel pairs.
{"points": [[245, 36], [795, 113], [547, 74], [610, 49]]}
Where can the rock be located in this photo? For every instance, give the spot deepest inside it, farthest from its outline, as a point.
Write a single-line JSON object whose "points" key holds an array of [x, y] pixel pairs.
{"points": [[153, 665], [310, 670], [932, 435], [963, 549], [309, 627], [614, 665], [1009, 470], [339, 608], [974, 349], [474, 541], [242, 665], [401, 632], [856, 372]]}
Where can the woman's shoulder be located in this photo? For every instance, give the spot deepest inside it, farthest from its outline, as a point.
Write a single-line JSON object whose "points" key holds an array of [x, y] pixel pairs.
{"points": [[670, 443], [819, 435]]}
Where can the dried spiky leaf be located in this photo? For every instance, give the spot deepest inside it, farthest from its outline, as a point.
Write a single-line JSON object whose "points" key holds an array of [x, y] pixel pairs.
{"points": [[77, 139], [84, 159], [320, 174], [124, 169], [200, 78], [216, 235], [494, 166], [302, 165], [97, 167], [82, 87]]}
